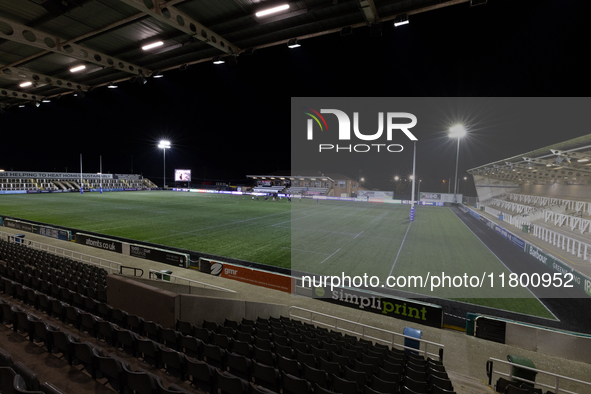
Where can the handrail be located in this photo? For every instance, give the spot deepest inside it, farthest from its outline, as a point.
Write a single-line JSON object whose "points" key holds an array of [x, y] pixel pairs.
{"points": [[131, 268], [176, 278], [364, 335], [109, 265], [490, 371]]}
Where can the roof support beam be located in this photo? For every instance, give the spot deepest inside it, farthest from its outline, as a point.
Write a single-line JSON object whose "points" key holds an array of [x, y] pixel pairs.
{"points": [[33, 37], [181, 21], [17, 74], [18, 95], [369, 11]]}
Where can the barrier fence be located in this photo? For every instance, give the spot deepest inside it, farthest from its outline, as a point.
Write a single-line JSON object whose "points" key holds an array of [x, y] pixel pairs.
{"points": [[365, 328], [159, 275]]}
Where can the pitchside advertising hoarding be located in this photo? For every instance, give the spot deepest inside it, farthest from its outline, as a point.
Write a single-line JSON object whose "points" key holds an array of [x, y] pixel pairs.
{"points": [[169, 257], [256, 277], [46, 231]]}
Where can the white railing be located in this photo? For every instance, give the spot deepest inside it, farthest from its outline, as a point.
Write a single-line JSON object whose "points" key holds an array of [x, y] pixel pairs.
{"points": [[557, 378], [520, 222], [579, 206], [364, 328], [109, 265], [560, 219], [511, 206], [571, 245], [496, 213], [158, 275]]}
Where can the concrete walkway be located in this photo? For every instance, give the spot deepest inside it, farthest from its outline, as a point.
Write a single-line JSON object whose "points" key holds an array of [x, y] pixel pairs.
{"points": [[465, 357]]}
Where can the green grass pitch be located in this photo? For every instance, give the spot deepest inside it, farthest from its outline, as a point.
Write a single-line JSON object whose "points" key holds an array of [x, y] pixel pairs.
{"points": [[328, 238]]}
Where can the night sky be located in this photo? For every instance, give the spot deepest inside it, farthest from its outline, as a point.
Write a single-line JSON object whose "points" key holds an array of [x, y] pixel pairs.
{"points": [[228, 121]]}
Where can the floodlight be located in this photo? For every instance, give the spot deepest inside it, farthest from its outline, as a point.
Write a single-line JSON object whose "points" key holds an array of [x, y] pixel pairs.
{"points": [[157, 75], [152, 45], [164, 144], [25, 84], [77, 68], [293, 43], [218, 60], [272, 10], [396, 178], [112, 86], [47, 101], [37, 103], [457, 131]]}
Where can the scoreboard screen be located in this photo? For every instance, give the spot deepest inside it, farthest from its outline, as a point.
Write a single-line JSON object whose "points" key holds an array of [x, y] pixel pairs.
{"points": [[182, 175]]}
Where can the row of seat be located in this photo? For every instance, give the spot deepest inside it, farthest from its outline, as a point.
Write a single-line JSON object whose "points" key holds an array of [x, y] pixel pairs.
{"points": [[18, 252], [17, 378], [31, 275], [92, 359]]}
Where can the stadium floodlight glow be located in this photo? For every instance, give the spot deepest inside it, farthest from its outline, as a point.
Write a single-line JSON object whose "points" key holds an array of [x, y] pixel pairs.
{"points": [[218, 60], [396, 178], [25, 84], [152, 45], [112, 86], [457, 131], [273, 10], [77, 68], [164, 144], [46, 101], [293, 43], [157, 75], [582, 160], [401, 20]]}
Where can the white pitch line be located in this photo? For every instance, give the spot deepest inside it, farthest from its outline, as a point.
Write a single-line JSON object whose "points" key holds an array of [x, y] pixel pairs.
{"points": [[357, 235], [379, 217], [397, 254], [330, 256]]}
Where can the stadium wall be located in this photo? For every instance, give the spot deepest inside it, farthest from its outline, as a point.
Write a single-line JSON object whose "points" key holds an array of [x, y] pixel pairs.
{"points": [[164, 307], [141, 299]]}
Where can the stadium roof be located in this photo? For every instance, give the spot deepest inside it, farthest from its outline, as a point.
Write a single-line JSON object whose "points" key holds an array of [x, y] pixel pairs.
{"points": [[42, 41], [567, 161]]}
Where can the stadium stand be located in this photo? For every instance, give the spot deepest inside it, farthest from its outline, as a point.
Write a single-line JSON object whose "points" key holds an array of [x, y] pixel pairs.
{"points": [[16, 181], [210, 357]]}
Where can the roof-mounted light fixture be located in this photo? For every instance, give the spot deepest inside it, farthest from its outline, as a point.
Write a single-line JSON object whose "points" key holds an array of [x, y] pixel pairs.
{"points": [[401, 20], [293, 43], [77, 68], [152, 45], [273, 10]]}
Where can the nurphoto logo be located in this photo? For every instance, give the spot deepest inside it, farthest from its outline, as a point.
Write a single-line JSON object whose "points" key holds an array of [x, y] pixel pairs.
{"points": [[344, 132]]}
